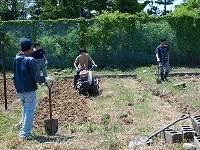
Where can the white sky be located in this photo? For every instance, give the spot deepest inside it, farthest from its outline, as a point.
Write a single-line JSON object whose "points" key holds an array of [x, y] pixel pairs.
{"points": [[161, 7]]}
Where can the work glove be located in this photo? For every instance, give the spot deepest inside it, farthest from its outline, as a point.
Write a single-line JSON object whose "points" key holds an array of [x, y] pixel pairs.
{"points": [[48, 80], [46, 62]]}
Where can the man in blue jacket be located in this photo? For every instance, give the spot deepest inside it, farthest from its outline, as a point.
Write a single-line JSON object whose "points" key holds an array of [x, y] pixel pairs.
{"points": [[26, 76]]}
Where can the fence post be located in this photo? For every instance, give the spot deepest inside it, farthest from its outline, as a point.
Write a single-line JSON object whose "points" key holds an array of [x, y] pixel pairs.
{"points": [[4, 75]]}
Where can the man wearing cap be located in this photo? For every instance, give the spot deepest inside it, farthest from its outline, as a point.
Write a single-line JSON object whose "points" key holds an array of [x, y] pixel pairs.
{"points": [[26, 76], [162, 56], [40, 58]]}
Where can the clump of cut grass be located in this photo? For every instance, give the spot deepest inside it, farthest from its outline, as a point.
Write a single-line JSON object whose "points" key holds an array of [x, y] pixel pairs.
{"points": [[13, 143], [111, 144]]}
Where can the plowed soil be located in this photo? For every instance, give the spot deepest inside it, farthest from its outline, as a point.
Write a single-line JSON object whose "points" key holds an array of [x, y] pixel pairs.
{"points": [[67, 104]]}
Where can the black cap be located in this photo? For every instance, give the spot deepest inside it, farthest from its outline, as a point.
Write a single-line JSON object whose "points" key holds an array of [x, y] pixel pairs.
{"points": [[25, 44]]}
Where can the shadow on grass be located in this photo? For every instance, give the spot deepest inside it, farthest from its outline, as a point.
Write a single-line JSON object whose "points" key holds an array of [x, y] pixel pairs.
{"points": [[46, 139]]}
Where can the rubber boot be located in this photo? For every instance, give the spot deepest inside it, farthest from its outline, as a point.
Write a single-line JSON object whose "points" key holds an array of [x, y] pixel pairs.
{"points": [[165, 77], [162, 76], [75, 84]]}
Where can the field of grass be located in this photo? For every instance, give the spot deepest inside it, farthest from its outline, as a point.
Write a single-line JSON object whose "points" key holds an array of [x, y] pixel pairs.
{"points": [[126, 109]]}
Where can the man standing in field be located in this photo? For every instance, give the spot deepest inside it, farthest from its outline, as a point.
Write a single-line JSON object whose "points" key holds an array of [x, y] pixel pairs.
{"points": [[40, 58], [82, 61], [26, 76], [162, 56]]}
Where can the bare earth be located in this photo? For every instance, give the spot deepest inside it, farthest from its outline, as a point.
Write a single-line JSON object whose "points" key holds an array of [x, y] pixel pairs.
{"points": [[69, 106]]}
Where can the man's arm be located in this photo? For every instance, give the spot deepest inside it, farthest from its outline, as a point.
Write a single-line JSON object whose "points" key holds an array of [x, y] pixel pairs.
{"points": [[157, 57], [75, 65], [45, 59], [92, 60]]}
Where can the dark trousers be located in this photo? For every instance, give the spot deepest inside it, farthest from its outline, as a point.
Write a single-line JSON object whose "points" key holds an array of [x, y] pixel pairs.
{"points": [[76, 76], [161, 68]]}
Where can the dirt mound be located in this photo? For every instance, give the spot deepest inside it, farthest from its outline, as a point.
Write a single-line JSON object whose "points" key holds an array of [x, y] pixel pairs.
{"points": [[67, 105], [10, 92]]}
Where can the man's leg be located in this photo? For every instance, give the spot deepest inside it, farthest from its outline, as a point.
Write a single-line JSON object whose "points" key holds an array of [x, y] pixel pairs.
{"points": [[28, 100], [161, 71], [167, 70], [44, 69], [76, 77]]}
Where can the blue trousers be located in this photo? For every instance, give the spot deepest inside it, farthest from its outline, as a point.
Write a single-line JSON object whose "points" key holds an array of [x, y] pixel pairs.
{"points": [[162, 65], [41, 66], [28, 101]]}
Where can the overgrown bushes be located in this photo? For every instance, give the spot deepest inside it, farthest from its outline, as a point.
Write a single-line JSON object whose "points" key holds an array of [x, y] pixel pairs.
{"points": [[112, 39]]}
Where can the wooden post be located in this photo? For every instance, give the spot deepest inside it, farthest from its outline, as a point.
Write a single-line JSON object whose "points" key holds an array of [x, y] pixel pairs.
{"points": [[4, 74]]}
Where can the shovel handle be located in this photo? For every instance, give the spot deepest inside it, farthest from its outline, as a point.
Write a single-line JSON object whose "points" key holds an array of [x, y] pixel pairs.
{"points": [[158, 68], [49, 85], [183, 117]]}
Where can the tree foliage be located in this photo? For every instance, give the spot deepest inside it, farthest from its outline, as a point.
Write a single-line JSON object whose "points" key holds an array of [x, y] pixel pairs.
{"points": [[8, 10], [56, 9], [188, 8], [128, 6]]}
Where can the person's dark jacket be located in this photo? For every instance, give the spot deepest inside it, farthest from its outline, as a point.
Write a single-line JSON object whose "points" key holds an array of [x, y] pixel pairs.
{"points": [[25, 73]]}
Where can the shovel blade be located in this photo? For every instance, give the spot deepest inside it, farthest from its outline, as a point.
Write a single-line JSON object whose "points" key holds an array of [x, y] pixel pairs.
{"points": [[142, 140], [158, 80], [51, 126]]}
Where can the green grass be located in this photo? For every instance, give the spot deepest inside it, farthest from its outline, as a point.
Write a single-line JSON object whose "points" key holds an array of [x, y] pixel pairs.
{"points": [[6, 124], [117, 94]]}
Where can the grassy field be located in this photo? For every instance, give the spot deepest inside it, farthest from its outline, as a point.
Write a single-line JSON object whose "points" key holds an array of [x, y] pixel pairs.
{"points": [[126, 109]]}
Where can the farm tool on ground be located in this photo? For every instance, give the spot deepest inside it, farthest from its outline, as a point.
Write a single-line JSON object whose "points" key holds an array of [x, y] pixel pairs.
{"points": [[147, 140], [51, 125]]}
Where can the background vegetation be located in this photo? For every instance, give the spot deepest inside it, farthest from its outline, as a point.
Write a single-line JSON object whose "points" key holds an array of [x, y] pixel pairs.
{"points": [[114, 39]]}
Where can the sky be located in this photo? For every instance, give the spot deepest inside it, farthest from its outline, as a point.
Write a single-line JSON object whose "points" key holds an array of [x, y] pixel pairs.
{"points": [[161, 7]]}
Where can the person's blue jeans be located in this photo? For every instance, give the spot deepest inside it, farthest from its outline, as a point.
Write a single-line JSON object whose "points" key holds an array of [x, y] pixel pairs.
{"points": [[162, 65], [41, 66], [167, 70], [28, 101]]}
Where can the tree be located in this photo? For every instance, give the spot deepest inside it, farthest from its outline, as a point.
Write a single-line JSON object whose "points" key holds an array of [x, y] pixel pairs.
{"points": [[190, 5], [8, 10], [129, 6], [156, 11], [13, 9], [54, 9]]}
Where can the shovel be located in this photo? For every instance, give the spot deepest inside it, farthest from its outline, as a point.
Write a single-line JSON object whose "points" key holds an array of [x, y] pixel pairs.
{"points": [[158, 80], [147, 140], [51, 125]]}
